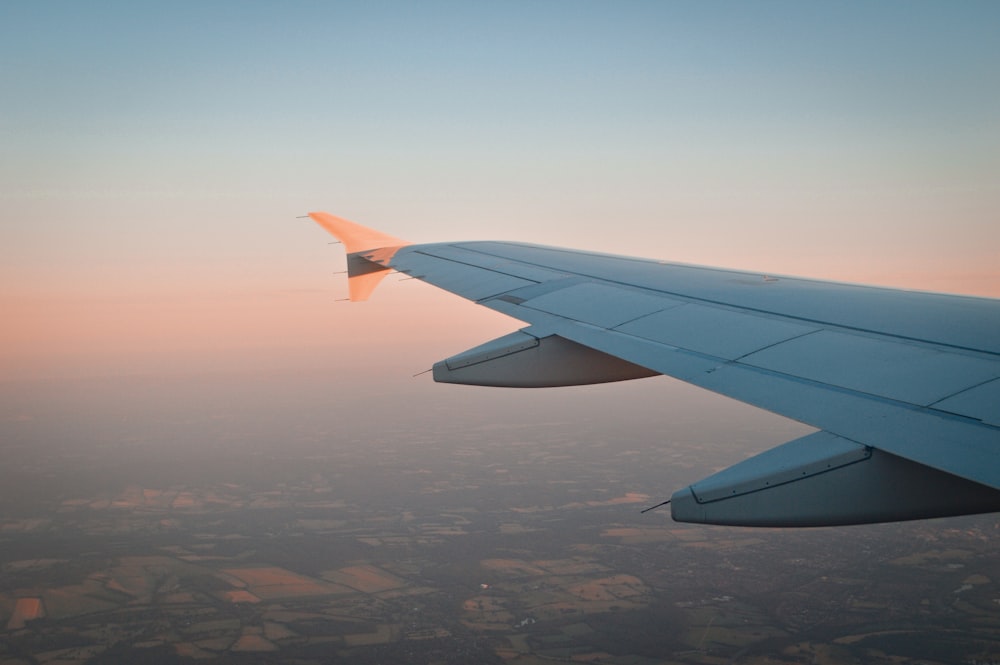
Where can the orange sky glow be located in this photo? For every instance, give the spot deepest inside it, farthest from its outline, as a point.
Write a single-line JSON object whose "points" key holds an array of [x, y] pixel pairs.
{"points": [[213, 328], [149, 226]]}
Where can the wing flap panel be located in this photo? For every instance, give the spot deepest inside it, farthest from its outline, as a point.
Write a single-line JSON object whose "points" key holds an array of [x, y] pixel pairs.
{"points": [[714, 331], [467, 281], [600, 304], [900, 371], [930, 437], [808, 456], [981, 402]]}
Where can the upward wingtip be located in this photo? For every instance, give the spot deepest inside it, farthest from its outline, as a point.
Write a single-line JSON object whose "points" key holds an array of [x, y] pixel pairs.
{"points": [[369, 252], [356, 238]]}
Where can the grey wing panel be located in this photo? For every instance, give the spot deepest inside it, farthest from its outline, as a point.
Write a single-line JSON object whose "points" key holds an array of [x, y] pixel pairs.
{"points": [[956, 445], [959, 321], [980, 402], [917, 375], [714, 331], [884, 367], [600, 304], [474, 283], [830, 387]]}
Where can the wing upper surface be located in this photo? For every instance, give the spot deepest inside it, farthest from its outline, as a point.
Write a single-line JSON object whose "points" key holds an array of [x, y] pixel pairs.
{"points": [[914, 374]]}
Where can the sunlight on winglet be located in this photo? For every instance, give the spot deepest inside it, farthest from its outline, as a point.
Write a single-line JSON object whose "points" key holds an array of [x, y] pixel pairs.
{"points": [[368, 252], [356, 238]]}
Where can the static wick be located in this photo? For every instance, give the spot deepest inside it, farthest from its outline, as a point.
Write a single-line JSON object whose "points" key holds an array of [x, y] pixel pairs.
{"points": [[342, 300], [424, 372], [335, 242], [654, 507], [302, 217]]}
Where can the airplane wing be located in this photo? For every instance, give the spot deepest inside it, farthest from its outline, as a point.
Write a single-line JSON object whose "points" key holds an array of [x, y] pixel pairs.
{"points": [[904, 387]]}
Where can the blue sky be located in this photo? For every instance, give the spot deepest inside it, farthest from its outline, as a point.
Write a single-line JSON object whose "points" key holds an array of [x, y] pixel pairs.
{"points": [[164, 149]]}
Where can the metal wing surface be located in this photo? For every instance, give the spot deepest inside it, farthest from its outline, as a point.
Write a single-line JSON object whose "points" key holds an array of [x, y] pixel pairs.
{"points": [[903, 386]]}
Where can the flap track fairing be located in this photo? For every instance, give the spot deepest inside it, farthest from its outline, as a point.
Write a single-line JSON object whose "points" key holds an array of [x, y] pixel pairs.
{"points": [[524, 360]]}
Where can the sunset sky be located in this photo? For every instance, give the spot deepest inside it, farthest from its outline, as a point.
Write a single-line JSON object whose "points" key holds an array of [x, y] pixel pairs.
{"points": [[155, 157]]}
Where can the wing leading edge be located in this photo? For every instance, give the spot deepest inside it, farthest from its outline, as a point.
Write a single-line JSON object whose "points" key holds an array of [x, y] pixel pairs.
{"points": [[903, 386]]}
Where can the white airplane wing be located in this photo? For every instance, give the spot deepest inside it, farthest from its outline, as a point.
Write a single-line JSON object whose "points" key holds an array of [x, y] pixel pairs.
{"points": [[903, 386]]}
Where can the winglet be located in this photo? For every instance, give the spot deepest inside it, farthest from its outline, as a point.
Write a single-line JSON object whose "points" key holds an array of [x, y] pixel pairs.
{"points": [[356, 238], [368, 252]]}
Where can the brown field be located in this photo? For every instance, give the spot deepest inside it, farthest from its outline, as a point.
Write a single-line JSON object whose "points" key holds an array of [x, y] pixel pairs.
{"points": [[630, 497], [185, 500], [486, 626], [508, 528], [634, 536], [558, 597], [405, 591], [252, 640], [138, 576], [428, 634], [69, 601], [70, 656], [31, 564], [852, 639], [188, 650], [572, 566], [367, 579], [131, 497], [564, 609], [240, 596], [269, 582], [25, 525], [483, 604], [25, 609], [214, 627], [320, 525], [393, 540], [445, 531], [215, 643], [932, 557], [609, 588], [512, 567], [180, 598], [266, 576], [276, 631], [487, 613], [158, 498]]}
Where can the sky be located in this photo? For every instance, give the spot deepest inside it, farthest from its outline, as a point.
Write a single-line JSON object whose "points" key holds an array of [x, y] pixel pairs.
{"points": [[155, 157]]}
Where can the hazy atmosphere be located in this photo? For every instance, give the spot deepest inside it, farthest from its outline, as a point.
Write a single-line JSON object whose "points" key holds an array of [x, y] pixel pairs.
{"points": [[208, 456]]}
